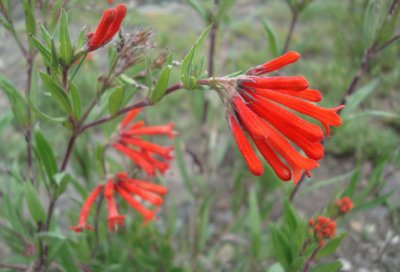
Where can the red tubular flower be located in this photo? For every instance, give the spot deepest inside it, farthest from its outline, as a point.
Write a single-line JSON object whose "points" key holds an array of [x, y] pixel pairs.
{"points": [[146, 213], [114, 218], [323, 228], [269, 109], [82, 221], [148, 156], [344, 205], [245, 148], [275, 64], [108, 26], [127, 188]]}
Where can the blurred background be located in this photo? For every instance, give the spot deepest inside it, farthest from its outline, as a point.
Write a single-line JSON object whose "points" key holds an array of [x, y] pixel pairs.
{"points": [[217, 215]]}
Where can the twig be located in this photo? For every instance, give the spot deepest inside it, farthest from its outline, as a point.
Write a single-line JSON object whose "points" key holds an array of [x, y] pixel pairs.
{"points": [[310, 259], [211, 58], [295, 15]]}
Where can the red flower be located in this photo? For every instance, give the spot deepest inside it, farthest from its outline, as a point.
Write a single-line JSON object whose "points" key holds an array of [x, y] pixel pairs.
{"points": [[129, 189], [265, 106], [82, 221], [148, 156], [344, 205], [108, 26], [323, 228]]}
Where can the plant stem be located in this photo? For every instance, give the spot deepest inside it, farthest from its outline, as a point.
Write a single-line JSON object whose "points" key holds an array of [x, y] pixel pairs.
{"points": [[211, 57], [310, 259], [289, 35]]}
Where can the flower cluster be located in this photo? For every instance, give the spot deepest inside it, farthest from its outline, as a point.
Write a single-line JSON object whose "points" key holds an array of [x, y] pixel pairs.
{"points": [[146, 155], [263, 107], [108, 26], [128, 189], [142, 153], [323, 228], [344, 205]]}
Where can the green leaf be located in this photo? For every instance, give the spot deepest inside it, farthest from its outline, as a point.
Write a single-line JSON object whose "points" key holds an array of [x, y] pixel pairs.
{"points": [[62, 180], [374, 17], [43, 115], [330, 247], [33, 202], [327, 182], [201, 10], [46, 155], [255, 224], [277, 267], [162, 84], [374, 113], [358, 97], [54, 64], [188, 80], [80, 42], [57, 93], [182, 165], [30, 21], [204, 217], [223, 8], [65, 42], [46, 36], [18, 104], [272, 41], [373, 203], [281, 247], [334, 266], [75, 101], [5, 23], [289, 216], [116, 100], [352, 184], [44, 51]]}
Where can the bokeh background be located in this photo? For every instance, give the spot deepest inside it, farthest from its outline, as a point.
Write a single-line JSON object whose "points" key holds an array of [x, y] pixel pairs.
{"points": [[208, 222]]}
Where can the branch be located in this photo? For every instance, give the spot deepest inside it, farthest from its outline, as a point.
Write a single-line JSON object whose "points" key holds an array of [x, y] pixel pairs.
{"points": [[293, 22]]}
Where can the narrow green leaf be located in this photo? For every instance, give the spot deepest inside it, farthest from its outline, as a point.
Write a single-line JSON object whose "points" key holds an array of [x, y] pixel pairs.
{"points": [[18, 104], [75, 101], [289, 216], [327, 182], [46, 36], [33, 202], [204, 216], [334, 266], [65, 41], [201, 10], [255, 224], [353, 183], [358, 97], [54, 64], [223, 8], [182, 165], [46, 155], [5, 23], [57, 93], [189, 61], [374, 17], [374, 113], [272, 41], [162, 84], [62, 180], [116, 100], [330, 247], [30, 21], [277, 267], [44, 51], [43, 115]]}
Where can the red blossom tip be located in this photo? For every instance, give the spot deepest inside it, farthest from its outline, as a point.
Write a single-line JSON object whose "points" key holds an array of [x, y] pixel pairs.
{"points": [[279, 82], [253, 163], [275, 64]]}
